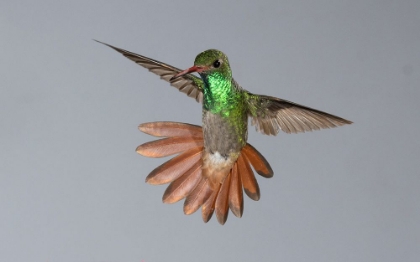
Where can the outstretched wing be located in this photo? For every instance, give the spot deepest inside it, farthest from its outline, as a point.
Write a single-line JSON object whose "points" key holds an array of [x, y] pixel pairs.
{"points": [[189, 84], [271, 114]]}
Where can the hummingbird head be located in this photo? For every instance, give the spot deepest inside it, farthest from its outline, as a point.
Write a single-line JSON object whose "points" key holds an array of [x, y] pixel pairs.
{"points": [[209, 62]]}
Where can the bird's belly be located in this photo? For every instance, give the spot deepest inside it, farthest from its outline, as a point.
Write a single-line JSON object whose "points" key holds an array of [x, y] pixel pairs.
{"points": [[224, 136], [223, 141]]}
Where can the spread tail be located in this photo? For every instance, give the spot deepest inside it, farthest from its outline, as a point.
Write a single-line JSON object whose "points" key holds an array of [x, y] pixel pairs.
{"points": [[184, 171]]}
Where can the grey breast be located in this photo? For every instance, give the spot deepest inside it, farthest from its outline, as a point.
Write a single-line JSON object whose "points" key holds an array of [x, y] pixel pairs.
{"points": [[220, 135]]}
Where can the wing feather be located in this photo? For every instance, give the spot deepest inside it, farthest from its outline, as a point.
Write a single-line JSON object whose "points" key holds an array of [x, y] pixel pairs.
{"points": [[189, 84], [271, 114]]}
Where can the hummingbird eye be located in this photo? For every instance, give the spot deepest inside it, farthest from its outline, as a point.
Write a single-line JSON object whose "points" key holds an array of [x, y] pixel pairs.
{"points": [[216, 64]]}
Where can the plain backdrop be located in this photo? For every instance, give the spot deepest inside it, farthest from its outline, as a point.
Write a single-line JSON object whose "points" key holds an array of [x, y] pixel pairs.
{"points": [[72, 187]]}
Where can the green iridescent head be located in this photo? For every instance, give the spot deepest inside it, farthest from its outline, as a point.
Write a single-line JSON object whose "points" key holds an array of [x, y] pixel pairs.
{"points": [[213, 61]]}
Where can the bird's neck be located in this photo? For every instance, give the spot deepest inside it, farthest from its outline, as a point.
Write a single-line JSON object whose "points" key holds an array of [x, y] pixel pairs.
{"points": [[220, 94]]}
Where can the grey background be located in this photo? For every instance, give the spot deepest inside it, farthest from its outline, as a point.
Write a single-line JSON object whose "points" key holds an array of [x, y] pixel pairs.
{"points": [[72, 187]]}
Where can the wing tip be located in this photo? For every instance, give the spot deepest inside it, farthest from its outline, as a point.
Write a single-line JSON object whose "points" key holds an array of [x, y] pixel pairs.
{"points": [[103, 43]]}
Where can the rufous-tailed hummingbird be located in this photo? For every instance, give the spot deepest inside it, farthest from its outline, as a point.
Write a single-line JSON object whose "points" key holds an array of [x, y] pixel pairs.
{"points": [[214, 161]]}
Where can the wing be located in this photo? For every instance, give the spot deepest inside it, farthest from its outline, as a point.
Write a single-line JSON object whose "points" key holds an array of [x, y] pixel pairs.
{"points": [[271, 114], [189, 84]]}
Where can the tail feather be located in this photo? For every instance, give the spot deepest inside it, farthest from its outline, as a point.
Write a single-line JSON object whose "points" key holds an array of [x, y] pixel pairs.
{"points": [[249, 182], [198, 197], [222, 201], [172, 169], [182, 186], [187, 177], [168, 146], [236, 202], [257, 161], [171, 129], [207, 209]]}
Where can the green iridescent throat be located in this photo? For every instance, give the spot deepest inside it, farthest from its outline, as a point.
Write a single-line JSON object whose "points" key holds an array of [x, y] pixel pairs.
{"points": [[219, 96]]}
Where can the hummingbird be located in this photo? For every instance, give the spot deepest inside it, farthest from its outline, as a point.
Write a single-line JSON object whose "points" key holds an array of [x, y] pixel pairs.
{"points": [[213, 165]]}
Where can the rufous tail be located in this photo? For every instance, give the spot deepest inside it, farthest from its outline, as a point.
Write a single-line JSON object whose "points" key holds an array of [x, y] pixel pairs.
{"points": [[184, 171]]}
